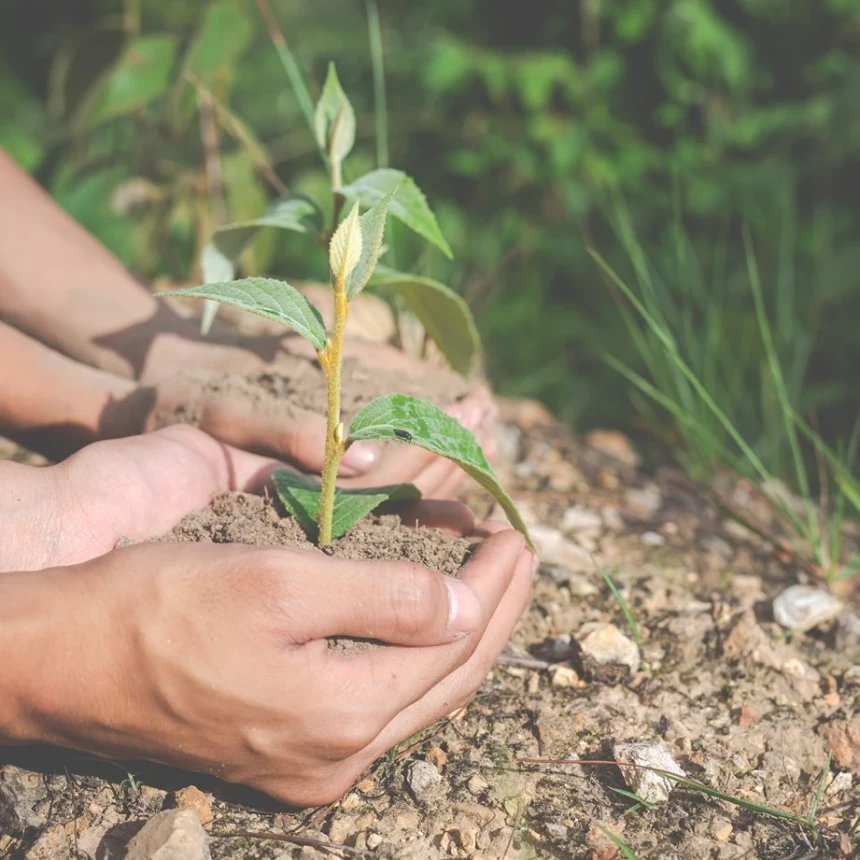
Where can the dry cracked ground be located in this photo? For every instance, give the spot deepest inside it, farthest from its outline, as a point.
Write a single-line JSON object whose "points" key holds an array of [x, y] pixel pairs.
{"points": [[716, 688]]}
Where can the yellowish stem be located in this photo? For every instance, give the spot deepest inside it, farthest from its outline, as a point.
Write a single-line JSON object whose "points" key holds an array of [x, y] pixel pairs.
{"points": [[331, 361]]}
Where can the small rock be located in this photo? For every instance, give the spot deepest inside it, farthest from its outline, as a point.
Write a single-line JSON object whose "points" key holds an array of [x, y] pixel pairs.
{"points": [[172, 835], [653, 539], [556, 830], [564, 676], [802, 607], [374, 840], [194, 800], [53, 844], [848, 631], [841, 782], [606, 652], [555, 548], [612, 519], [613, 444], [721, 828], [644, 502], [579, 519], [422, 778], [843, 740], [477, 785], [351, 802], [851, 678], [650, 786], [22, 796]]}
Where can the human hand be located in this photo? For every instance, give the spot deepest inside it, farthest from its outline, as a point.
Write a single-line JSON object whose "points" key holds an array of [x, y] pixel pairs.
{"points": [[138, 487], [213, 657], [224, 407]]}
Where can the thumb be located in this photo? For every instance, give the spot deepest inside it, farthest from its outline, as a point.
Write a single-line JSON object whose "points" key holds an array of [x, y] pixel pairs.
{"points": [[399, 603]]}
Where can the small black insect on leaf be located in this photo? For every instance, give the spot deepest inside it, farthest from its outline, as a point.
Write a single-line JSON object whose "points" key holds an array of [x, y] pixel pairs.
{"points": [[405, 435]]}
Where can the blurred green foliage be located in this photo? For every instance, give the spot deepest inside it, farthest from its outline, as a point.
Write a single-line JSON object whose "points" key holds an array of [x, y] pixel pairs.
{"points": [[537, 131]]}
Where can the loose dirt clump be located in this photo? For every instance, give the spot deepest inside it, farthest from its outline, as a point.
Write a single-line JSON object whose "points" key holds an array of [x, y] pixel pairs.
{"points": [[301, 383], [742, 705]]}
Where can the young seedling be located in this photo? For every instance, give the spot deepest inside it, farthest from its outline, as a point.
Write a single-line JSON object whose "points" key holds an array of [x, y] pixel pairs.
{"points": [[354, 249]]}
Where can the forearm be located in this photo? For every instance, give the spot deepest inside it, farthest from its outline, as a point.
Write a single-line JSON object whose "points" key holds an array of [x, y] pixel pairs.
{"points": [[29, 606], [58, 284], [56, 405]]}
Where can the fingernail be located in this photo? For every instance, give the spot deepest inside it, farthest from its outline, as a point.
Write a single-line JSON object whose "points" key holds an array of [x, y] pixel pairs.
{"points": [[464, 608], [535, 564], [358, 459]]}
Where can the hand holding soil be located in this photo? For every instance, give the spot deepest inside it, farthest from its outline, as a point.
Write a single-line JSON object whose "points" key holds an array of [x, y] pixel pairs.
{"points": [[214, 658]]}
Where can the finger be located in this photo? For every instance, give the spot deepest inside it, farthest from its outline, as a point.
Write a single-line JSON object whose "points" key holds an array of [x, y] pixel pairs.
{"points": [[275, 427], [449, 516], [394, 602], [455, 690], [488, 573], [399, 464]]}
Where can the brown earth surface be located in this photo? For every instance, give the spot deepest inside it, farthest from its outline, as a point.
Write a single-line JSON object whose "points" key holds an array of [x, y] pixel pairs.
{"points": [[742, 705]]}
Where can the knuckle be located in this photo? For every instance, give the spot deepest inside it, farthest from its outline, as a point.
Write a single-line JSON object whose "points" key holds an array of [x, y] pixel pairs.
{"points": [[347, 738]]}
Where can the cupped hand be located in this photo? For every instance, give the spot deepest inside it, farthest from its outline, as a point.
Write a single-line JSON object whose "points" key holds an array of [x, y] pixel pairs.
{"points": [[214, 658], [138, 487], [273, 427]]}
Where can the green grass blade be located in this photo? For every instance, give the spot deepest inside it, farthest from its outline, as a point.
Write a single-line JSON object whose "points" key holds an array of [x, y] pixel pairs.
{"points": [[377, 62], [781, 392], [672, 350], [625, 608], [626, 851]]}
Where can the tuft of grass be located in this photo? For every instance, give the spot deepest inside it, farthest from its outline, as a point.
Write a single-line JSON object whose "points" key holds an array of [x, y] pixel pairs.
{"points": [[680, 335]]}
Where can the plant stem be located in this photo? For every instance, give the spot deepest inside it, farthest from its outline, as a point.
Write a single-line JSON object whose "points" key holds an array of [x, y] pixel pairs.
{"points": [[331, 361]]}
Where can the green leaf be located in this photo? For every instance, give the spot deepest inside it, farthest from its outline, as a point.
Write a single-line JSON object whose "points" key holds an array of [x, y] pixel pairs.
{"points": [[275, 300], [408, 205], [443, 313], [372, 225], [334, 119], [223, 37], [295, 212], [141, 74], [399, 418], [301, 497]]}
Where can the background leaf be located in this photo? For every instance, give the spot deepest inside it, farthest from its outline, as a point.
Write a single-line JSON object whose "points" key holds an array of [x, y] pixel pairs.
{"points": [[275, 300], [400, 418], [295, 212], [443, 313], [334, 119], [141, 74], [301, 497], [408, 205]]}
